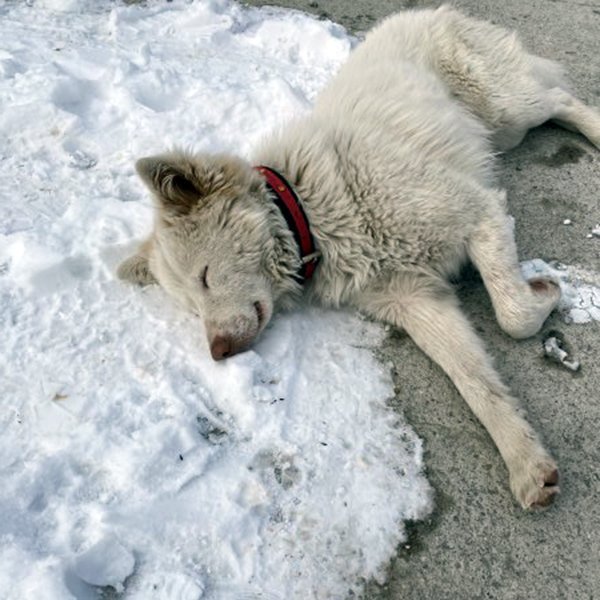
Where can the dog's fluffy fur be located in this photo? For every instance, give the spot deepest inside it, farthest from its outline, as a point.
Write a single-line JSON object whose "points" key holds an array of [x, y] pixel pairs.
{"points": [[394, 167]]}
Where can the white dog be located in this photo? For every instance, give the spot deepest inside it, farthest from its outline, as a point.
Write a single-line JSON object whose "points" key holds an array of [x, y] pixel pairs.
{"points": [[374, 200]]}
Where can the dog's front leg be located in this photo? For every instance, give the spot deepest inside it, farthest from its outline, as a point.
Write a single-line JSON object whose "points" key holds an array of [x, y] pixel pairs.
{"points": [[428, 310]]}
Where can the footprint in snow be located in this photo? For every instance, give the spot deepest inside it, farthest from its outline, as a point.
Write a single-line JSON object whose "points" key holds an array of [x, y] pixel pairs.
{"points": [[75, 96], [9, 67], [157, 91], [278, 466], [64, 274]]}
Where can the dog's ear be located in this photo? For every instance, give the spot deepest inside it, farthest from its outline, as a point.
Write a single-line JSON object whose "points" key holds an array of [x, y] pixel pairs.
{"points": [[173, 181], [182, 182], [135, 269]]}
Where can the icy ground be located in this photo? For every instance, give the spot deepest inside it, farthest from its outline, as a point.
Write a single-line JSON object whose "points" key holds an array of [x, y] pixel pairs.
{"points": [[127, 457], [580, 289]]}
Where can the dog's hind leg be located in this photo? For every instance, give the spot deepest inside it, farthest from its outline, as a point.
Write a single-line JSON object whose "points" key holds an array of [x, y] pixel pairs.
{"points": [[506, 87], [555, 104], [521, 306], [558, 103], [428, 310], [573, 114]]}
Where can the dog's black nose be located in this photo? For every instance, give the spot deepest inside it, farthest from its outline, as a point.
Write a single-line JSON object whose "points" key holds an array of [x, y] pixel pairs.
{"points": [[220, 347]]}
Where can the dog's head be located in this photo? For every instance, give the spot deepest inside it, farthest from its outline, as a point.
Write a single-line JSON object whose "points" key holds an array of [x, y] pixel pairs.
{"points": [[219, 245]]}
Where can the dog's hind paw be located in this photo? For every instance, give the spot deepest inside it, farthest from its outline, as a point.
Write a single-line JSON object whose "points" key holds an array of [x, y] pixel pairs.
{"points": [[535, 483]]}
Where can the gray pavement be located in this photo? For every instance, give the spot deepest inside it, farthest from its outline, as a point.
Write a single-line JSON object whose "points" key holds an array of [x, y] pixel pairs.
{"points": [[479, 543]]}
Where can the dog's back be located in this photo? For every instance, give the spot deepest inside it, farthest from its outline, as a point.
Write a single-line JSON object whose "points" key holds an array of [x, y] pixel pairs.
{"points": [[396, 101], [483, 66]]}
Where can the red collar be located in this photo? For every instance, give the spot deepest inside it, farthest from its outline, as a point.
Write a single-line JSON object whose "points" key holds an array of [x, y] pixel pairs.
{"points": [[288, 203]]}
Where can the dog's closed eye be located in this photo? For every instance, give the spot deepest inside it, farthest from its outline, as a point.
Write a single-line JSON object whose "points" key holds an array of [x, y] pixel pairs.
{"points": [[203, 278]]}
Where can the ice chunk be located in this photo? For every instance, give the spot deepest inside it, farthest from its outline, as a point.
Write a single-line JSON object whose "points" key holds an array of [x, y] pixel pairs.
{"points": [[107, 562]]}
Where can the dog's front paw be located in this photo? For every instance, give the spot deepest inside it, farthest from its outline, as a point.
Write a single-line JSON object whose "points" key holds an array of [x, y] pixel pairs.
{"points": [[534, 482]]}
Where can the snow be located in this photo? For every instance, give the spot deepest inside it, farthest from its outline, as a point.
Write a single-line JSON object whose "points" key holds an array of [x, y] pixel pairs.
{"points": [[128, 458]]}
